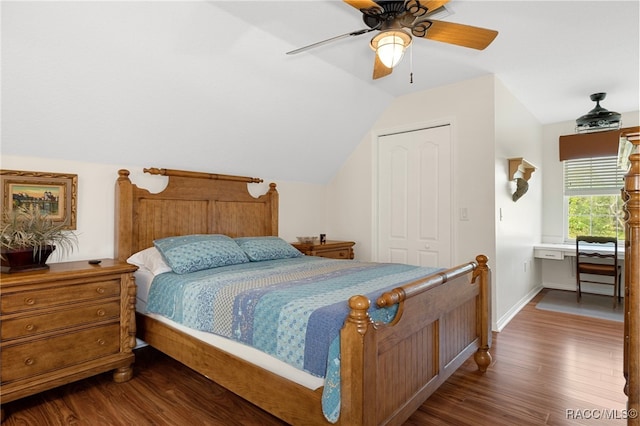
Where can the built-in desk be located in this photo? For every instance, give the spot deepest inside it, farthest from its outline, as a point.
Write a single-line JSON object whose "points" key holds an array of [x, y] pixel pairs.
{"points": [[559, 251], [558, 266]]}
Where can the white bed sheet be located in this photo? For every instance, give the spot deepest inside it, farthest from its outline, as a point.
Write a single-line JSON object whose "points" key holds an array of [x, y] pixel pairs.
{"points": [[247, 353]]}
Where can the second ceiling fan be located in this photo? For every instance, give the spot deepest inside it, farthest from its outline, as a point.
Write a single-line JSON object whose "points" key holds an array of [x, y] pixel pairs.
{"points": [[399, 21]]}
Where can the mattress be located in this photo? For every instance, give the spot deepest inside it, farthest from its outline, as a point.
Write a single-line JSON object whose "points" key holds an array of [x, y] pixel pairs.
{"points": [[240, 350]]}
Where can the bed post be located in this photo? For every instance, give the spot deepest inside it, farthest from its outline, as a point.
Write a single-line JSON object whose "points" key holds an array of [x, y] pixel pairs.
{"points": [[632, 281], [123, 216], [355, 388], [625, 295], [482, 356], [273, 206]]}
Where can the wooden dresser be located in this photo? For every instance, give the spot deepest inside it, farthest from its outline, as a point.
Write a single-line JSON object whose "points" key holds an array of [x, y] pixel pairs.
{"points": [[331, 249], [66, 323]]}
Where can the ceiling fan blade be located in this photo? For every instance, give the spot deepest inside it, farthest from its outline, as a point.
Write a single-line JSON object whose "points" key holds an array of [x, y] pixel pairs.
{"points": [[434, 4], [330, 40], [379, 69], [419, 8], [361, 4], [459, 34]]}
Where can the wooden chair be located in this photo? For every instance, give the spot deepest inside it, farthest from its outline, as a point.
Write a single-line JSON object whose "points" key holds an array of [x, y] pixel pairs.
{"points": [[588, 249]]}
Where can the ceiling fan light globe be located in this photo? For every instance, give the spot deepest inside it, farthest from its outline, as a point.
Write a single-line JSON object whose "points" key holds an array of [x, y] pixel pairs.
{"points": [[390, 46], [390, 51]]}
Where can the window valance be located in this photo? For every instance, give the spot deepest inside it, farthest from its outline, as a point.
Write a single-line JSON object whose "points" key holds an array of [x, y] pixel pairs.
{"points": [[592, 145]]}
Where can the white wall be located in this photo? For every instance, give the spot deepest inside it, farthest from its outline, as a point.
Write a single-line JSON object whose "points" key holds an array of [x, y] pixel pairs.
{"points": [[350, 194], [489, 125], [301, 204], [518, 224], [469, 107]]}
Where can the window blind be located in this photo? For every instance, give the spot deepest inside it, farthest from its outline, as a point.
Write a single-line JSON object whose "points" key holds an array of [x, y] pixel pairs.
{"points": [[593, 176]]}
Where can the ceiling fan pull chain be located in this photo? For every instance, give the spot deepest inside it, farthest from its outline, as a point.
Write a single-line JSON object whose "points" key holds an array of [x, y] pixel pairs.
{"points": [[410, 64]]}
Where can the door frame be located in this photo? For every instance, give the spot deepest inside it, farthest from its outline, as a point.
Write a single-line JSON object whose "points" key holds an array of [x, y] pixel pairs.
{"points": [[375, 144]]}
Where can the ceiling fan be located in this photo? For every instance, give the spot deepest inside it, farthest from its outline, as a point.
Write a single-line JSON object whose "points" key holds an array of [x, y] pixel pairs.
{"points": [[398, 21]]}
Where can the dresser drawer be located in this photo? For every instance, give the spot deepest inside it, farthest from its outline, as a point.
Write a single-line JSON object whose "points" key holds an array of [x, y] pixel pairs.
{"points": [[43, 355], [38, 299], [73, 316]]}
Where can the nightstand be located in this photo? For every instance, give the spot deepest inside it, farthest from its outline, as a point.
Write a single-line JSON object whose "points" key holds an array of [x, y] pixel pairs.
{"points": [[66, 323], [331, 249]]}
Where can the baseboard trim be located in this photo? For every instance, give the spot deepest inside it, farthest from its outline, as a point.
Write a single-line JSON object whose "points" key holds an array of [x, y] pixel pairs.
{"points": [[506, 318]]}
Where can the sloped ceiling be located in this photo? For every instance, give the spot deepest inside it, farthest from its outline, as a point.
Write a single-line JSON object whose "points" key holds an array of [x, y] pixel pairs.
{"points": [[206, 85]]}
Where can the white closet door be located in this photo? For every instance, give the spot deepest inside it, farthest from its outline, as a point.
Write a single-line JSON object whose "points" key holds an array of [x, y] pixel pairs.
{"points": [[414, 199]]}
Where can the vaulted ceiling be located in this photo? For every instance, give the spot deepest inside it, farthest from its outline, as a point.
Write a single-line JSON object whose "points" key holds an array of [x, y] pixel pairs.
{"points": [[206, 85]]}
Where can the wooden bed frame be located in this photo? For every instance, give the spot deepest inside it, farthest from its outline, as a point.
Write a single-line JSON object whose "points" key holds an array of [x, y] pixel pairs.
{"points": [[388, 371]]}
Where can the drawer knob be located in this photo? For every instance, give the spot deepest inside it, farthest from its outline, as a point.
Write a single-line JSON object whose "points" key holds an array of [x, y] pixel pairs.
{"points": [[100, 312], [29, 327], [342, 254], [29, 301], [101, 342], [29, 361], [100, 290]]}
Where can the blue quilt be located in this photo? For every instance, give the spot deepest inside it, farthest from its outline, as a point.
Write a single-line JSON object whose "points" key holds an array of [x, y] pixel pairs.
{"points": [[292, 309]]}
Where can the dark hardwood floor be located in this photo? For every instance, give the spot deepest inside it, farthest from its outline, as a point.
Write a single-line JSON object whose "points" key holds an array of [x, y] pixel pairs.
{"points": [[548, 369]]}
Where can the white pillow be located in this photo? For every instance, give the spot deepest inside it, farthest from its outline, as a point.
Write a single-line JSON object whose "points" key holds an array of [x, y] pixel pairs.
{"points": [[151, 260]]}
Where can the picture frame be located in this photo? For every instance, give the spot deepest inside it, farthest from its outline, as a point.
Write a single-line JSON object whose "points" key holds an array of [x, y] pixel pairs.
{"points": [[55, 193]]}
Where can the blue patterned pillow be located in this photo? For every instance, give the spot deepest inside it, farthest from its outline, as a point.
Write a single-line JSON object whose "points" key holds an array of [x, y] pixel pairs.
{"points": [[267, 248], [191, 253]]}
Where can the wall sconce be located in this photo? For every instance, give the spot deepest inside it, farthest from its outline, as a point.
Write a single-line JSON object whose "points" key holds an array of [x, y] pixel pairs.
{"points": [[390, 46], [520, 170], [522, 186]]}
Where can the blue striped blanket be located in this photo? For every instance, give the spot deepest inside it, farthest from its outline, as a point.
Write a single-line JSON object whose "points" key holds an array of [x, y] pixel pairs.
{"points": [[292, 309]]}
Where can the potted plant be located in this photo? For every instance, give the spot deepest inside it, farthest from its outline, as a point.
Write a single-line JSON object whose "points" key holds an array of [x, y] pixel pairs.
{"points": [[27, 238]]}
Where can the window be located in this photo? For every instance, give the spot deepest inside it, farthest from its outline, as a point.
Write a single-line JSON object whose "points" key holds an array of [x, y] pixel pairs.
{"points": [[592, 197]]}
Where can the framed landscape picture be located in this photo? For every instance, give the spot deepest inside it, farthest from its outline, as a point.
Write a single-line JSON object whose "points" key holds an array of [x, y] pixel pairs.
{"points": [[56, 194]]}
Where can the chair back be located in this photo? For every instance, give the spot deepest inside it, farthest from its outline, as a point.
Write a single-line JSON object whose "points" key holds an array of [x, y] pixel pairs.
{"points": [[589, 248]]}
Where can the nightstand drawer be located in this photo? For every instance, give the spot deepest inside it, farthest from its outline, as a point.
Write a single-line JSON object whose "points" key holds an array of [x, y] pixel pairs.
{"points": [[34, 324], [335, 254], [330, 249], [39, 356], [38, 299]]}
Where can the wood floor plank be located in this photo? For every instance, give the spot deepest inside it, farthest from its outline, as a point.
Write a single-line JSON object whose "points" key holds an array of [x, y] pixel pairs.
{"points": [[547, 368]]}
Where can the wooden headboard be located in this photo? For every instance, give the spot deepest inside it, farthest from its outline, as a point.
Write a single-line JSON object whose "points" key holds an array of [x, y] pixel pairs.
{"points": [[192, 203]]}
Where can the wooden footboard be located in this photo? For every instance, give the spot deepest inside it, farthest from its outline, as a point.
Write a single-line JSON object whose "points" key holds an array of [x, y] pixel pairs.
{"points": [[388, 371]]}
